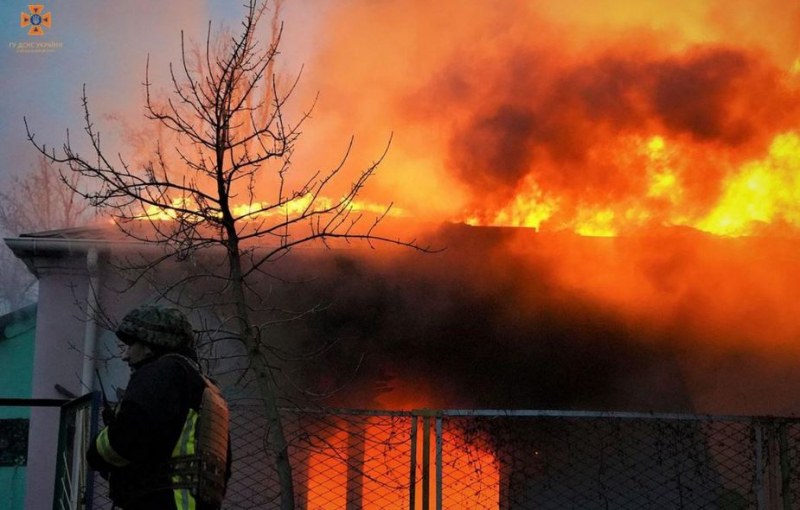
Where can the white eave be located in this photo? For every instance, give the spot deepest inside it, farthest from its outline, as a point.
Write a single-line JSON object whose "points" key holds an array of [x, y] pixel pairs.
{"points": [[57, 244]]}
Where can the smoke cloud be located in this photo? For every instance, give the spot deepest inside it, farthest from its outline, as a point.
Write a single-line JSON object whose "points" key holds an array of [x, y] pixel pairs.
{"points": [[509, 318], [498, 112], [642, 121]]}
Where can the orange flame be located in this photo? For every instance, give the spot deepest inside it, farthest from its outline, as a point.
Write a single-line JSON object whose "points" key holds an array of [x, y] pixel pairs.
{"points": [[255, 210], [565, 117], [471, 472], [757, 193]]}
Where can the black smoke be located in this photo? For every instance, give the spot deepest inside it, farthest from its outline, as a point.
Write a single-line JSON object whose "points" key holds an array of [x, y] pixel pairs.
{"points": [[476, 326], [556, 119]]}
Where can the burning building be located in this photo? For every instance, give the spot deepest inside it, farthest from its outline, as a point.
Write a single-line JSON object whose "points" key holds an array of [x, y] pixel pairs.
{"points": [[494, 321], [652, 154], [616, 196]]}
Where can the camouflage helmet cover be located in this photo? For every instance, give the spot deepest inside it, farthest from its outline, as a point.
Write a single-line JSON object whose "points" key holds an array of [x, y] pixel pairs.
{"points": [[156, 325]]}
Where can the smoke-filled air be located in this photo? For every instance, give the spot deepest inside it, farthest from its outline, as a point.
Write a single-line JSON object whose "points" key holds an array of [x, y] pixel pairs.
{"points": [[601, 118], [648, 153], [652, 150]]}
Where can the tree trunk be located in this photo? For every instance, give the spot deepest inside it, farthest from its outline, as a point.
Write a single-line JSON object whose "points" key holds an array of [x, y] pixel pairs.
{"points": [[266, 388]]}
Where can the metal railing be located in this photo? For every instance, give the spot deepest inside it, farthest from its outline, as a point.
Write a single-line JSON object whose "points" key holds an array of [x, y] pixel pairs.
{"points": [[510, 460], [74, 484]]}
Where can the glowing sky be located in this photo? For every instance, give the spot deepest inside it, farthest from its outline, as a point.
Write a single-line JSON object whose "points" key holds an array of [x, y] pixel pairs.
{"points": [[597, 117]]}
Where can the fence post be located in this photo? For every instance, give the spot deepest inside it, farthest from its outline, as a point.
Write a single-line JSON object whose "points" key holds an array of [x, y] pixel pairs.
{"points": [[758, 432], [355, 464], [786, 480], [439, 442], [426, 415], [94, 422], [412, 485], [301, 456], [773, 462], [426, 462], [72, 475]]}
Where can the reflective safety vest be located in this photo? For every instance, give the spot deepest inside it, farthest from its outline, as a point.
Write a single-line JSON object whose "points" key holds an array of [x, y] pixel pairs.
{"points": [[199, 460], [197, 469]]}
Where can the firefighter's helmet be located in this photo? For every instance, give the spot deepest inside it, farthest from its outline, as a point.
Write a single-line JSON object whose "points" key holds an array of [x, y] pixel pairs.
{"points": [[156, 325]]}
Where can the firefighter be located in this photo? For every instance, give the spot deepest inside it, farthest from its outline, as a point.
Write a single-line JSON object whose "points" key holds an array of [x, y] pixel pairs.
{"points": [[166, 445]]}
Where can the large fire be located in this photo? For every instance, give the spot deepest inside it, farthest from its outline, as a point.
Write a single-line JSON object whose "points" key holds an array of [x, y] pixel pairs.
{"points": [[561, 116], [759, 196], [650, 150], [667, 130], [650, 155], [253, 211], [351, 467]]}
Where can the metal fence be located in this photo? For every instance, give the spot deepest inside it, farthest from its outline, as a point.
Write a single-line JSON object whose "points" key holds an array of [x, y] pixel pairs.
{"points": [[75, 487], [598, 461], [346, 459]]}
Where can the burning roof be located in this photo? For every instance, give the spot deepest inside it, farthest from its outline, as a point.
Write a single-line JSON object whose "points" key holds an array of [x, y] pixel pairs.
{"points": [[653, 153], [562, 116]]}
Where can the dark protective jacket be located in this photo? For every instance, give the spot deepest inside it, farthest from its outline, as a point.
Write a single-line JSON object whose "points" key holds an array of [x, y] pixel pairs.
{"points": [[154, 423]]}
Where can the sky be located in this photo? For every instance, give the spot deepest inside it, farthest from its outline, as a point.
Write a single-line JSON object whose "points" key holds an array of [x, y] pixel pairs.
{"points": [[104, 47]]}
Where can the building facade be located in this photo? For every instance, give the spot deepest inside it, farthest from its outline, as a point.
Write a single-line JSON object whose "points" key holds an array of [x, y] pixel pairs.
{"points": [[17, 334]]}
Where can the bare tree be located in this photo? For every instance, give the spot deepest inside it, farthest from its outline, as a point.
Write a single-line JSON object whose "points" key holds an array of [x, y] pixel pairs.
{"points": [[36, 201], [229, 139]]}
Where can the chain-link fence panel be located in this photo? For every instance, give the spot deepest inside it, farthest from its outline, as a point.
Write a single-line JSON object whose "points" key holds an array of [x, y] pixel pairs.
{"points": [[514, 460], [344, 459], [781, 475], [603, 461]]}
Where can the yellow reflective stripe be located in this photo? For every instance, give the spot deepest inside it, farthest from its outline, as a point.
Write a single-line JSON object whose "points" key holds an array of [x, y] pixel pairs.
{"points": [[184, 500], [186, 445], [186, 441], [107, 452]]}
